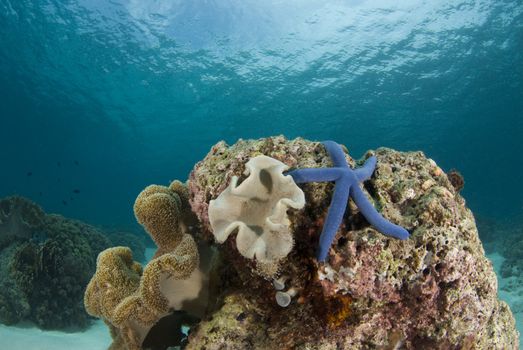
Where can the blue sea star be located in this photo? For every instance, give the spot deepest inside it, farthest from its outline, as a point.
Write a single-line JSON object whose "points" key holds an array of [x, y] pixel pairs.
{"points": [[346, 184]]}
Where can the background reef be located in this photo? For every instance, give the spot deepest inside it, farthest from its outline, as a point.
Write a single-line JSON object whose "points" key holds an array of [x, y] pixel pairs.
{"points": [[46, 261]]}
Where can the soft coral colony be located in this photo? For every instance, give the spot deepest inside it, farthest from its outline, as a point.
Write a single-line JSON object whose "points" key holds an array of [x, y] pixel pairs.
{"points": [[249, 259]]}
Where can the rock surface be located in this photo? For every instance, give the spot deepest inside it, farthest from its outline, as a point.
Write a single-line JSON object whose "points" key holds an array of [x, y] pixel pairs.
{"points": [[435, 290]]}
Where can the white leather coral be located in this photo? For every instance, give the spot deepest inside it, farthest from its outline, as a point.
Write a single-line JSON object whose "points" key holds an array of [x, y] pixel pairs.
{"points": [[257, 209]]}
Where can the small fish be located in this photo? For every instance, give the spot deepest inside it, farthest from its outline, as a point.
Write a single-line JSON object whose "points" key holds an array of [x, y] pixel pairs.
{"points": [[76, 191], [40, 194], [64, 202], [76, 162], [59, 164], [29, 173], [71, 199]]}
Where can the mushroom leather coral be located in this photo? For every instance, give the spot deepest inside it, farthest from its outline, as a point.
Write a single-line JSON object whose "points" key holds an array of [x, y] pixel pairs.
{"points": [[117, 276], [159, 209], [131, 301], [257, 208]]}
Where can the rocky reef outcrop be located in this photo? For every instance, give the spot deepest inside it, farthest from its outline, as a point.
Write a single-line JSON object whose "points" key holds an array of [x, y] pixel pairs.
{"points": [[435, 290], [254, 280], [46, 261]]}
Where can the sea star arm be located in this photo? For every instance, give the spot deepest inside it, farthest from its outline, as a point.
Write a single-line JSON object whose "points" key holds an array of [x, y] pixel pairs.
{"points": [[374, 218], [314, 174], [334, 217], [365, 172], [336, 153], [347, 184]]}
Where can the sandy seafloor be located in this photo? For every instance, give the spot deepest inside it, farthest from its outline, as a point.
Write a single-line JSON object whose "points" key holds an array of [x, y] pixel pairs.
{"points": [[511, 292], [97, 336]]}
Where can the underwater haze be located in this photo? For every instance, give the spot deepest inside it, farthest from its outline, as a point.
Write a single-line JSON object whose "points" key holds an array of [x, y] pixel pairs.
{"points": [[100, 98]]}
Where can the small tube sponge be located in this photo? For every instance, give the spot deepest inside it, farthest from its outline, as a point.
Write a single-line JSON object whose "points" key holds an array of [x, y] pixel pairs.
{"points": [[257, 208], [284, 298]]}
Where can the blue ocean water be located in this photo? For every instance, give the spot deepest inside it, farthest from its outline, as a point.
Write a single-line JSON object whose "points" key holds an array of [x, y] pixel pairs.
{"points": [[105, 97], [137, 91]]}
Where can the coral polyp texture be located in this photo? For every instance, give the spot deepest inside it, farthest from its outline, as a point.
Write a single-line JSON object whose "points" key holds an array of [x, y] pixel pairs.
{"points": [[257, 210], [435, 290], [132, 300]]}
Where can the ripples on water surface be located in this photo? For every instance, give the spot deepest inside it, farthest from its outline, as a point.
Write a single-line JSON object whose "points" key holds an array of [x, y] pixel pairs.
{"points": [[130, 86]]}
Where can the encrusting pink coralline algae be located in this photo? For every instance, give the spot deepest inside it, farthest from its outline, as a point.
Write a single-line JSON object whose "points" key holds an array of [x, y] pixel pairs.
{"points": [[435, 290]]}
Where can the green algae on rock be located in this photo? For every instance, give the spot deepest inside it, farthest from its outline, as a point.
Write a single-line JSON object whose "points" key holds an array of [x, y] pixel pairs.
{"points": [[434, 290]]}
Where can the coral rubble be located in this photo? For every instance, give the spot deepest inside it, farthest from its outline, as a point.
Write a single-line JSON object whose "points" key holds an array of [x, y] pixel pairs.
{"points": [[435, 290], [45, 263]]}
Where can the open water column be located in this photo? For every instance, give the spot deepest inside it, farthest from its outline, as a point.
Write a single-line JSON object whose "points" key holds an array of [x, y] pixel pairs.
{"points": [[251, 175]]}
